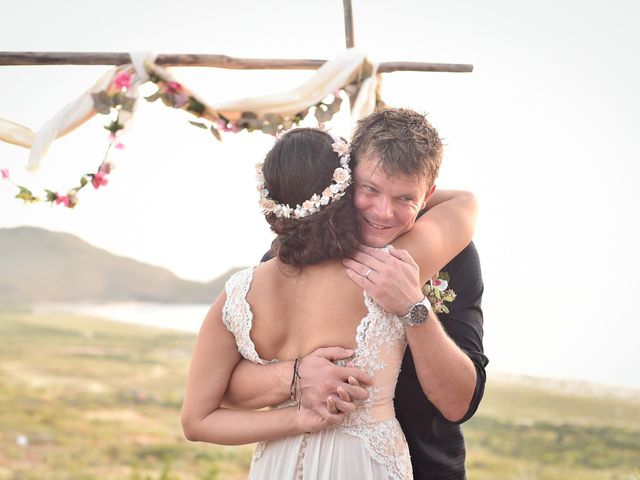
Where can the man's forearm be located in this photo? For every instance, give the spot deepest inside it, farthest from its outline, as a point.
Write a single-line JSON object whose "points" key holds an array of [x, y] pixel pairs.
{"points": [[253, 386], [447, 375]]}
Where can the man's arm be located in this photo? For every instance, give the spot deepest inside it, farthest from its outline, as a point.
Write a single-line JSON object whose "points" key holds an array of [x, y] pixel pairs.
{"points": [[447, 375], [253, 386]]}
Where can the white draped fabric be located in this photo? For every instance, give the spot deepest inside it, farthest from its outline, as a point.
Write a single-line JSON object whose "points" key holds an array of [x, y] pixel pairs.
{"points": [[347, 68]]}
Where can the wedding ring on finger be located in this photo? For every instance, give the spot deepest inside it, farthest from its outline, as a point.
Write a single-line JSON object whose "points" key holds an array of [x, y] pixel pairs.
{"points": [[366, 275]]}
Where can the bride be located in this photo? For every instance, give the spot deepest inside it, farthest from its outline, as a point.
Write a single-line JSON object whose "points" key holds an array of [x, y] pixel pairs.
{"points": [[303, 299]]}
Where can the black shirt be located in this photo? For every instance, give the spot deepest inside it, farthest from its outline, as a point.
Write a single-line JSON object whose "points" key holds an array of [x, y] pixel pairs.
{"points": [[436, 444]]}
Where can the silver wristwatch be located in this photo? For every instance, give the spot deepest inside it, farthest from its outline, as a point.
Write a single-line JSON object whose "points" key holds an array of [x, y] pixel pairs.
{"points": [[418, 313]]}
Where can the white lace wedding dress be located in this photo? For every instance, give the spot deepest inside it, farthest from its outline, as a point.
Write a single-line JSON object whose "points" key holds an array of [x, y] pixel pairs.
{"points": [[370, 444]]}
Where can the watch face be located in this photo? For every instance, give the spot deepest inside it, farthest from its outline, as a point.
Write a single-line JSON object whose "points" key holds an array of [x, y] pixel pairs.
{"points": [[419, 314]]}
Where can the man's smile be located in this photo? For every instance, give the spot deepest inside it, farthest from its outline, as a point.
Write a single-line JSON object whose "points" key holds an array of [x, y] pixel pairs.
{"points": [[377, 226]]}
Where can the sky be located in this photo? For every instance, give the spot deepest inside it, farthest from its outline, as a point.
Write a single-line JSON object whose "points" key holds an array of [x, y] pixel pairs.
{"points": [[544, 132]]}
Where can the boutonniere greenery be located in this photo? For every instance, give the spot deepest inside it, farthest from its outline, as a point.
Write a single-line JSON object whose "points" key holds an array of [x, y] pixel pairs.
{"points": [[437, 291]]}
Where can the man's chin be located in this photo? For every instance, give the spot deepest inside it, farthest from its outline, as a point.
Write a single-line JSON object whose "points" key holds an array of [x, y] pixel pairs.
{"points": [[376, 241]]}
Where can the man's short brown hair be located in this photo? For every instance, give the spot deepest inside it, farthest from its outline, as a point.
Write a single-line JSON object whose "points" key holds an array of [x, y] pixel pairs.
{"points": [[401, 140]]}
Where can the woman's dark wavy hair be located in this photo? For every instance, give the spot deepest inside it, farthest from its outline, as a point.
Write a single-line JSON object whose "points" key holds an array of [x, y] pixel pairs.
{"points": [[300, 164]]}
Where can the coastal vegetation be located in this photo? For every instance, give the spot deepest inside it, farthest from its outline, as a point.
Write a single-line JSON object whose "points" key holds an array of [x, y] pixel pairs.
{"points": [[84, 398]]}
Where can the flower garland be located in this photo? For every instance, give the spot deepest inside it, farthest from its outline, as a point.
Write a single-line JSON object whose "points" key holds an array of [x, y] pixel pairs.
{"points": [[437, 292], [174, 95], [341, 180]]}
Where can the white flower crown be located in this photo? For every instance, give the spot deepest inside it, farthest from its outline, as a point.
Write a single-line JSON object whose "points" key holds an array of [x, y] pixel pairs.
{"points": [[335, 191]]}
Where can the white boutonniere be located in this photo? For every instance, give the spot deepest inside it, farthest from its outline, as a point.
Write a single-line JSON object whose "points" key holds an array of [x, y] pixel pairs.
{"points": [[437, 291]]}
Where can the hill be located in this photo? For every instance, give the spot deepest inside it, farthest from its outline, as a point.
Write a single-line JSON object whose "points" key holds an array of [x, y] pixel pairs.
{"points": [[38, 265]]}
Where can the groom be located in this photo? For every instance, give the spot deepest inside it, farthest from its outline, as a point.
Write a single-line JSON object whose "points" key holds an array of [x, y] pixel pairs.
{"points": [[442, 378]]}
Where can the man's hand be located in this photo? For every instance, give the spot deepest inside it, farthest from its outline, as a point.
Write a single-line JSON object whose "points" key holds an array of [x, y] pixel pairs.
{"points": [[392, 279], [321, 380]]}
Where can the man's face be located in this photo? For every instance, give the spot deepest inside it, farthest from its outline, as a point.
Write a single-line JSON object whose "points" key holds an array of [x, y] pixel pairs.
{"points": [[388, 206]]}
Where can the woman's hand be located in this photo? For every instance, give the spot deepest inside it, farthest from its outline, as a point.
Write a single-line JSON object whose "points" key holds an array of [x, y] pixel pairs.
{"points": [[337, 409], [310, 421]]}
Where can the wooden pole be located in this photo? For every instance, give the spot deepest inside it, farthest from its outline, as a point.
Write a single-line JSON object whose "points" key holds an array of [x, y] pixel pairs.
{"points": [[348, 24], [208, 60]]}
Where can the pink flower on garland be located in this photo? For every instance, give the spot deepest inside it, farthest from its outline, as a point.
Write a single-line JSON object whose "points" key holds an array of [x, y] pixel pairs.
{"points": [[62, 199], [5, 173], [99, 180], [173, 87], [180, 100], [114, 141], [122, 80], [106, 167]]}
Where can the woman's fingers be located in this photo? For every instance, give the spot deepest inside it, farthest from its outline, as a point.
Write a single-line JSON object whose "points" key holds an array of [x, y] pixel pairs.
{"points": [[336, 406]]}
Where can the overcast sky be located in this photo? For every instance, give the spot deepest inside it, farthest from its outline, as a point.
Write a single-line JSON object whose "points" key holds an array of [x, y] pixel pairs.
{"points": [[544, 131]]}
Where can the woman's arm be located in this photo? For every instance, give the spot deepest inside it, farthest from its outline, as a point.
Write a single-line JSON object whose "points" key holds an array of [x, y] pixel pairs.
{"points": [[442, 232], [203, 419]]}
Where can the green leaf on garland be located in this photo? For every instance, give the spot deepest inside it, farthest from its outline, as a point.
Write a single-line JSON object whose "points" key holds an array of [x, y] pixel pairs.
{"points": [[448, 299], [153, 97], [269, 128], [437, 293], [443, 276], [83, 181], [322, 113], [445, 309], [128, 103], [250, 121], [272, 123], [167, 99], [101, 102], [216, 133], [287, 123], [198, 124], [116, 99], [114, 126], [26, 195], [51, 196], [334, 106], [195, 106]]}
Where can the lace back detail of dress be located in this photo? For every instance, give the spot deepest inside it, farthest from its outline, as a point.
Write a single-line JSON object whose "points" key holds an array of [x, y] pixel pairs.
{"points": [[237, 315], [380, 345]]}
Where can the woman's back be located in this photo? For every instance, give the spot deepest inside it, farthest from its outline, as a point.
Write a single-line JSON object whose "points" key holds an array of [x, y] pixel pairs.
{"points": [[278, 316], [296, 311]]}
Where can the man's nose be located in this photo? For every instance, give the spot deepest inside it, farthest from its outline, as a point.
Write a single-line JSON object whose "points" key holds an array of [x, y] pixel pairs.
{"points": [[383, 209]]}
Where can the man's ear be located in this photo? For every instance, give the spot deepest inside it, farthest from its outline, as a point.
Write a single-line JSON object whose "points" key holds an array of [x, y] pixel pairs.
{"points": [[427, 196]]}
